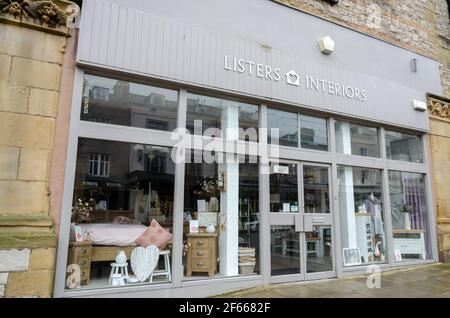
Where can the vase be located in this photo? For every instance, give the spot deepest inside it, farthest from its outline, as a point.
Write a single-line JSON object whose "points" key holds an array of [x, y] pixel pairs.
{"points": [[213, 204], [406, 221], [210, 228], [121, 257]]}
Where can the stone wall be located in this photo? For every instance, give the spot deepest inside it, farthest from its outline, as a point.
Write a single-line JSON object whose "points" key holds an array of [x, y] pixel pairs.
{"points": [[30, 67], [419, 25], [440, 156]]}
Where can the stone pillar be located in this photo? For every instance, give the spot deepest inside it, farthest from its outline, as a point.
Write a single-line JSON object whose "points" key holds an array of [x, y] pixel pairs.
{"points": [[439, 110], [30, 66]]}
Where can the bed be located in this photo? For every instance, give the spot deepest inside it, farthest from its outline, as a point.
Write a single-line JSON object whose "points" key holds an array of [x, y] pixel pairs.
{"points": [[108, 238]]}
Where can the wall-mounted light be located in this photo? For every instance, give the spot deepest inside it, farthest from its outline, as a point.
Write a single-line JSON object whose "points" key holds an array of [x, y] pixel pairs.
{"points": [[414, 65], [326, 45]]}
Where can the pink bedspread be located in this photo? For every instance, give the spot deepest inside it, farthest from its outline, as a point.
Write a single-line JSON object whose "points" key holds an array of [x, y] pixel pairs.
{"points": [[113, 234]]}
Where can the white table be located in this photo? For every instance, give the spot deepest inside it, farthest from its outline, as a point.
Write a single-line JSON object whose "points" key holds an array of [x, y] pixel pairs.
{"points": [[410, 242]]}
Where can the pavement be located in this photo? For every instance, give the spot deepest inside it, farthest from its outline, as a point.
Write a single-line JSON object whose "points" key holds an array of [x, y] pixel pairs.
{"points": [[422, 281]]}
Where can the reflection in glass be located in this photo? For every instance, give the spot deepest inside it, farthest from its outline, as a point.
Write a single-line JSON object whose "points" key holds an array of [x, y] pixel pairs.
{"points": [[313, 132], [287, 125], [318, 250], [284, 188], [404, 147], [112, 101], [409, 215], [352, 139], [120, 189], [285, 250], [361, 215], [222, 114], [315, 185]]}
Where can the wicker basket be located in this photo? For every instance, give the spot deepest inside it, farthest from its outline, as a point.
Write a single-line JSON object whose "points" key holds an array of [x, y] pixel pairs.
{"points": [[246, 269]]}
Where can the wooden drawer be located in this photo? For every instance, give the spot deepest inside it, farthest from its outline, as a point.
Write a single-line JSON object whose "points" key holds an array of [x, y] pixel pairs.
{"points": [[200, 253], [83, 251], [199, 242], [84, 262], [84, 274], [200, 264]]}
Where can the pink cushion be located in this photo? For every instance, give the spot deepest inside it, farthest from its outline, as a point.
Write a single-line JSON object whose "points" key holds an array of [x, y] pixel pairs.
{"points": [[154, 235]]}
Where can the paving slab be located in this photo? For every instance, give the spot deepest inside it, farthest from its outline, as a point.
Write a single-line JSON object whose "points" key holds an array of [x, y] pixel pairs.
{"points": [[421, 281]]}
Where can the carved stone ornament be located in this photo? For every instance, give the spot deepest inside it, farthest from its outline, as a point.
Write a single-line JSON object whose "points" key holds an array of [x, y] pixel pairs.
{"points": [[55, 15], [439, 108]]}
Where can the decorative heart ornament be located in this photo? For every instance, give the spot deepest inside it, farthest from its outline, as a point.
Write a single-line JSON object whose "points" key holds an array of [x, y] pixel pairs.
{"points": [[143, 261]]}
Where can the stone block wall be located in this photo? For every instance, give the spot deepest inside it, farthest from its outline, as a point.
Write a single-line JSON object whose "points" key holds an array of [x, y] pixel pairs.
{"points": [[422, 26], [440, 156], [30, 69]]}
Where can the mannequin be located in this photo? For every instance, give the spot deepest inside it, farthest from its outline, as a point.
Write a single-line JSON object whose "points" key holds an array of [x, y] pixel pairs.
{"points": [[373, 207]]}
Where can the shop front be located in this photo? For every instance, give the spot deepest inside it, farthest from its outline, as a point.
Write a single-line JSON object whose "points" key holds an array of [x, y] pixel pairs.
{"points": [[205, 156]]}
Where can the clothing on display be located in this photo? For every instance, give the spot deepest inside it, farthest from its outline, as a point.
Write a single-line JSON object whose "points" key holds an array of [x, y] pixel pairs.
{"points": [[373, 208]]}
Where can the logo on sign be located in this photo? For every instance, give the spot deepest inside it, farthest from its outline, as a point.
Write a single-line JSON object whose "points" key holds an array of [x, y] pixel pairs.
{"points": [[292, 78]]}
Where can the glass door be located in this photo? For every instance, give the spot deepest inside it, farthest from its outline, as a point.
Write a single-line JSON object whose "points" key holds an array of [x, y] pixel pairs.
{"points": [[300, 222]]}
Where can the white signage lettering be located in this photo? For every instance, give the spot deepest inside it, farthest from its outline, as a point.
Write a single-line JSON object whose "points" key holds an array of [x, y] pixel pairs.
{"points": [[293, 78]]}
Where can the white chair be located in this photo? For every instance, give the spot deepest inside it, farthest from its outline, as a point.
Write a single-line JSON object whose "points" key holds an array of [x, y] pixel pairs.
{"points": [[166, 271]]}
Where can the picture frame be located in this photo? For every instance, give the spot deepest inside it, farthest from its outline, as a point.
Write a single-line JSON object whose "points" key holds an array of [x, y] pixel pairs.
{"points": [[351, 256], [201, 205], [78, 233], [193, 226], [397, 255]]}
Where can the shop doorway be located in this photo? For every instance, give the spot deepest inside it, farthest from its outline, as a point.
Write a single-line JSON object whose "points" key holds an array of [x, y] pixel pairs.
{"points": [[301, 223]]}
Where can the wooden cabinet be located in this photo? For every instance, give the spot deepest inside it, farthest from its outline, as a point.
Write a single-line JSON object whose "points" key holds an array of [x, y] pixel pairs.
{"points": [[80, 253], [202, 253]]}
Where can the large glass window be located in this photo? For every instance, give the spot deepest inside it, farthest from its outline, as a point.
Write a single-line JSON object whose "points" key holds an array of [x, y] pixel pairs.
{"points": [[284, 188], [315, 189], [313, 132], [361, 215], [287, 125], [404, 147], [112, 101], [223, 114], [122, 200], [221, 217], [352, 139], [409, 215]]}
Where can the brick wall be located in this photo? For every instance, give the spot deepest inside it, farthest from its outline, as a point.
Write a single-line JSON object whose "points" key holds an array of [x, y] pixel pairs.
{"points": [[30, 67]]}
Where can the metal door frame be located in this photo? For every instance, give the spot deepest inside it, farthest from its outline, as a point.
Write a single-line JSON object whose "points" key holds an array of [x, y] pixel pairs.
{"points": [[297, 220]]}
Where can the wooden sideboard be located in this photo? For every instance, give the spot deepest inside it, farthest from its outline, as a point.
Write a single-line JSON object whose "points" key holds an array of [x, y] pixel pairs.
{"points": [[80, 253], [202, 253]]}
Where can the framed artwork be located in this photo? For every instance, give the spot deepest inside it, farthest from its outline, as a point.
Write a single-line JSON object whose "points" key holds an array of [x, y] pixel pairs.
{"points": [[206, 218], [193, 226], [397, 255], [78, 234], [351, 256]]}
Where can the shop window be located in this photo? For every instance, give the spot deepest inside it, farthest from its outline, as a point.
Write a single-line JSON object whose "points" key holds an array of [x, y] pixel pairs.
{"points": [[122, 200], [233, 119], [121, 102], [352, 139], [284, 188], [409, 216], [361, 216], [315, 189], [404, 147], [313, 133], [221, 218], [287, 125]]}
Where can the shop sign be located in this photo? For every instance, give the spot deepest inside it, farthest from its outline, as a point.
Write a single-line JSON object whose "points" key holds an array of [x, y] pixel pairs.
{"points": [[292, 77]]}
